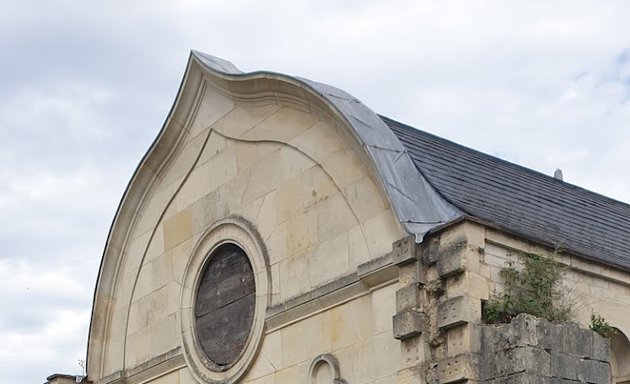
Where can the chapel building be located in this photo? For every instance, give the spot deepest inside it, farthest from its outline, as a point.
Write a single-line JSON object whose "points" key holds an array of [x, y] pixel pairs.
{"points": [[278, 231]]}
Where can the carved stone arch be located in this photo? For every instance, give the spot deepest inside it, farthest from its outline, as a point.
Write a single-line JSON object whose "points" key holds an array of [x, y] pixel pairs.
{"points": [[620, 358], [332, 363]]}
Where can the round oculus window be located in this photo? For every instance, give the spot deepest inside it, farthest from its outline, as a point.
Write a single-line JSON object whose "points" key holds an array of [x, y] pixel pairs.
{"points": [[224, 305]]}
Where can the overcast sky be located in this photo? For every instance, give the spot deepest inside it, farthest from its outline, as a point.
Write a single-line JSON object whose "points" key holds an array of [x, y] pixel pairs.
{"points": [[85, 87]]}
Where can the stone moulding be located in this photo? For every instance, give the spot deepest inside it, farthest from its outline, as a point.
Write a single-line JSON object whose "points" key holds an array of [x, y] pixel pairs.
{"points": [[229, 230], [333, 365]]}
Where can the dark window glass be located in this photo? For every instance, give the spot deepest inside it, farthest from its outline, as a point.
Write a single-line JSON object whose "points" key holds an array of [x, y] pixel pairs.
{"points": [[225, 303]]}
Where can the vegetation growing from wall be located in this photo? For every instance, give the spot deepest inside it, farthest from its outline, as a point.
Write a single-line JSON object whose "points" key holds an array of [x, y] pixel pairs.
{"points": [[601, 326], [534, 289]]}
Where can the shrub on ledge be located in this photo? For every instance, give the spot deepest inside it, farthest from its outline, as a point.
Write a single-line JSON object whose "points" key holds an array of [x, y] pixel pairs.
{"points": [[534, 289]]}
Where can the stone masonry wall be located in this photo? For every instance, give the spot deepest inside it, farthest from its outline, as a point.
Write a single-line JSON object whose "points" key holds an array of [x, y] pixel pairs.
{"points": [[438, 321], [532, 350]]}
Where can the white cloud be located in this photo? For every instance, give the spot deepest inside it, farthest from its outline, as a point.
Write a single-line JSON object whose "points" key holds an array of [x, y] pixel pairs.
{"points": [[43, 322]]}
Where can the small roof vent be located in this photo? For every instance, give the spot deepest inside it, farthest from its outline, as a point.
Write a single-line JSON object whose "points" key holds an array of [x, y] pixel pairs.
{"points": [[558, 174]]}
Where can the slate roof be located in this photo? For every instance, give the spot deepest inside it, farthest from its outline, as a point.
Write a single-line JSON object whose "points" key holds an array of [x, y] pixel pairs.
{"points": [[521, 201]]}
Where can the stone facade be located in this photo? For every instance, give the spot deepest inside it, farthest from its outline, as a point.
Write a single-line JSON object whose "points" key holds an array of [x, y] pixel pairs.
{"points": [[343, 293]]}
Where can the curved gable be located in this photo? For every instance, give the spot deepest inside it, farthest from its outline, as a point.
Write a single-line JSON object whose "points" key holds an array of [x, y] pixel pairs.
{"points": [[322, 182]]}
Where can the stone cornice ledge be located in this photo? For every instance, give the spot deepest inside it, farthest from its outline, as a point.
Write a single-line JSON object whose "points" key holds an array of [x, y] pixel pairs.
{"points": [[370, 275], [154, 368]]}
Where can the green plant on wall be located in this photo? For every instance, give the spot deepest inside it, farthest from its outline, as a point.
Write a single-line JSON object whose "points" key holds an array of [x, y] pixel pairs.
{"points": [[534, 289], [601, 326]]}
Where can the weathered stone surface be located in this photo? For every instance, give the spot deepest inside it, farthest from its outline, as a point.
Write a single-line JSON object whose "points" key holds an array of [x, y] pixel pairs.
{"points": [[523, 378], [592, 371], [411, 375], [428, 251], [404, 251], [601, 348], [409, 297], [515, 360], [412, 273], [564, 366], [458, 310], [532, 350], [467, 338], [409, 323], [457, 369], [451, 259], [577, 342], [435, 287]]}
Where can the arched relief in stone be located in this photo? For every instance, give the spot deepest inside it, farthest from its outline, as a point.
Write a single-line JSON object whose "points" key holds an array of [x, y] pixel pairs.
{"points": [[170, 190], [144, 292], [620, 358], [245, 163], [322, 144], [330, 365], [143, 249]]}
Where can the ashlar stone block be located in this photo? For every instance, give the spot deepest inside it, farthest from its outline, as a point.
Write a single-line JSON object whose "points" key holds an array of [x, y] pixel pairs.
{"points": [[271, 357], [412, 273], [458, 310], [383, 308], [212, 107], [409, 297], [266, 218], [335, 216], [592, 371], [404, 251], [464, 339], [365, 198], [293, 272], [283, 125], [457, 369], [241, 119], [357, 248], [578, 342], [428, 251], [293, 348], [302, 231], [329, 260], [246, 154], [410, 375], [319, 141], [467, 283], [564, 366], [317, 185], [380, 232], [288, 199], [528, 378], [414, 351], [344, 166], [177, 229], [348, 327], [452, 259], [601, 348], [410, 323], [516, 360]]}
